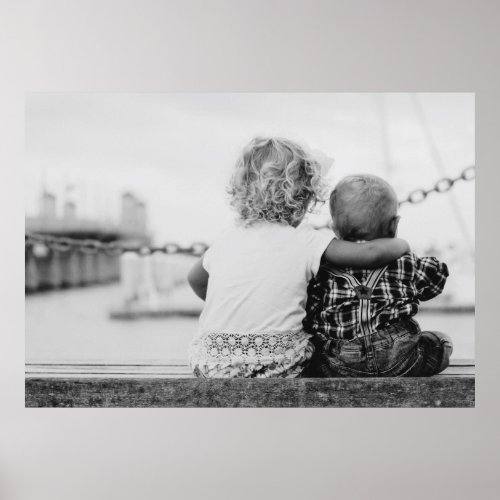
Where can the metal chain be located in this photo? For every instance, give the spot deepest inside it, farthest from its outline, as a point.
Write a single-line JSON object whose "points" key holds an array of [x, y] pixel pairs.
{"points": [[441, 186], [113, 248], [42, 242]]}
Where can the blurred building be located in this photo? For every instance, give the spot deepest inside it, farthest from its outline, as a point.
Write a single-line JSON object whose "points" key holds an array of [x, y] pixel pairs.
{"points": [[49, 268]]}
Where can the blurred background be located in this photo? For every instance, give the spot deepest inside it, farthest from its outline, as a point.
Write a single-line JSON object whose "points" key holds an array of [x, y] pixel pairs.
{"points": [[140, 170]]}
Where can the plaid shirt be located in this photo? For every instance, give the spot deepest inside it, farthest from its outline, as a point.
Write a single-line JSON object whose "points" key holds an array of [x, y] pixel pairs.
{"points": [[332, 305]]}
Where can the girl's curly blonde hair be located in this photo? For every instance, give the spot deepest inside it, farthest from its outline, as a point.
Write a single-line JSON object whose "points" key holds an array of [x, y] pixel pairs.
{"points": [[276, 180]]}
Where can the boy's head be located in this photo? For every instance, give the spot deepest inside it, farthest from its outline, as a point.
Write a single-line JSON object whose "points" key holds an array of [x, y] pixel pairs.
{"points": [[364, 207]]}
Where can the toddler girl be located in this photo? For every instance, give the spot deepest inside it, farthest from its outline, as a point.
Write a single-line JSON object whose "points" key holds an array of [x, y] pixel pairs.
{"points": [[254, 276]]}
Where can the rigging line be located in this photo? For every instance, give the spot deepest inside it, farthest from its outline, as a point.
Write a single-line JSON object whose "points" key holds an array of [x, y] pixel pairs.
{"points": [[439, 164], [386, 144]]}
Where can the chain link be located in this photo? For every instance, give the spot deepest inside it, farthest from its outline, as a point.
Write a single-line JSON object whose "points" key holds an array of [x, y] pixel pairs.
{"points": [[441, 186], [417, 196], [45, 242], [469, 173]]}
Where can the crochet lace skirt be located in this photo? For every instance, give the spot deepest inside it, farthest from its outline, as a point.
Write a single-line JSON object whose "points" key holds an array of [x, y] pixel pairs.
{"points": [[230, 355]]}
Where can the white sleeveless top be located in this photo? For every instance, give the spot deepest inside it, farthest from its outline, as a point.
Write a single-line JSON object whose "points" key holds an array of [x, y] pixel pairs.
{"points": [[257, 290]]}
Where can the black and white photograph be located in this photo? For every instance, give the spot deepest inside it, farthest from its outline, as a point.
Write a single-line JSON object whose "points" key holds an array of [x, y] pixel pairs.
{"points": [[249, 249]]}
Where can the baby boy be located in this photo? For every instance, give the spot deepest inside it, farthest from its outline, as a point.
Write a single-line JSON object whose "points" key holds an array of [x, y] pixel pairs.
{"points": [[363, 320]]}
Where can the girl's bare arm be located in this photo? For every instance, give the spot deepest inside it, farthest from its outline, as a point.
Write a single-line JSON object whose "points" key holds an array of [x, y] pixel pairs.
{"points": [[371, 254], [198, 280]]}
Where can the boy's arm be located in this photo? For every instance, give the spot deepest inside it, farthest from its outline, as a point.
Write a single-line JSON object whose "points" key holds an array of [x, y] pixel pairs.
{"points": [[371, 254], [430, 277], [198, 280]]}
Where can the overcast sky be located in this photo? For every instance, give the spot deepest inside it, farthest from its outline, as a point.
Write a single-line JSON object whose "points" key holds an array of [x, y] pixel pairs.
{"points": [[176, 152]]}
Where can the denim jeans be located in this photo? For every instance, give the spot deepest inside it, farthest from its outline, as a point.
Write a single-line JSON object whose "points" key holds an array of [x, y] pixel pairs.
{"points": [[400, 349]]}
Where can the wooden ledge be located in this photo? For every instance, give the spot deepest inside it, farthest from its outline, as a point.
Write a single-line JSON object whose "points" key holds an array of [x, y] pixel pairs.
{"points": [[172, 369], [447, 391]]}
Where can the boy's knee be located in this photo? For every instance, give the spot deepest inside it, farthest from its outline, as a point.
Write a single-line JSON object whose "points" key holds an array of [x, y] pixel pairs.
{"points": [[438, 348], [438, 340]]}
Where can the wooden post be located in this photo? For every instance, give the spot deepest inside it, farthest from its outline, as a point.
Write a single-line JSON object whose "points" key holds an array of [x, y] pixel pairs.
{"points": [[164, 269], [31, 277], [43, 268], [101, 268], [129, 276], [88, 268], [55, 276], [70, 266]]}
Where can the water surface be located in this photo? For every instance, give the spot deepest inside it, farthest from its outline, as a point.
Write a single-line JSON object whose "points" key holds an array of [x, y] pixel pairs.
{"points": [[73, 326]]}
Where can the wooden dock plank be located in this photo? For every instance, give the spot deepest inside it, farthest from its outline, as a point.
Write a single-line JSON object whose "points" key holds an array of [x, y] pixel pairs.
{"points": [[173, 385], [173, 369], [251, 393], [108, 370]]}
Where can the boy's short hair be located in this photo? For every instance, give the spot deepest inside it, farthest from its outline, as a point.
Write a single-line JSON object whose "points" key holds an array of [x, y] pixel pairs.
{"points": [[276, 180], [362, 207]]}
